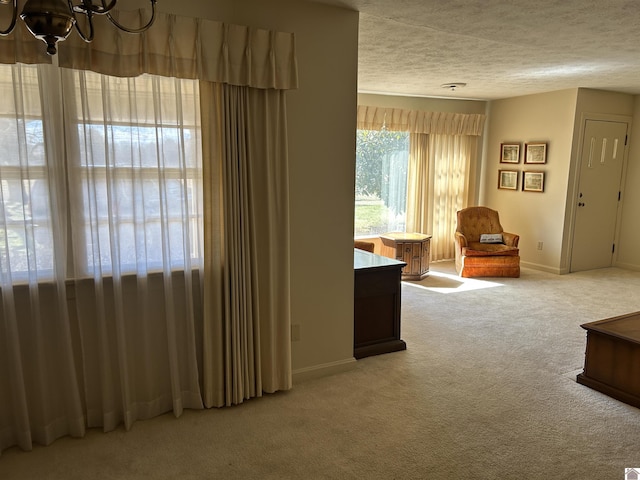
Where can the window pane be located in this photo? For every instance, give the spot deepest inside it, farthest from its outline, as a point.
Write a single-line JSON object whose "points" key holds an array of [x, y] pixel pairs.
{"points": [[16, 133], [139, 145], [26, 236], [381, 181], [139, 173], [133, 219]]}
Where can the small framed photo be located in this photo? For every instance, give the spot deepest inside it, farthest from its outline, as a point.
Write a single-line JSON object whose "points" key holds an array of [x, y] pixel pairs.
{"points": [[535, 153], [533, 181], [508, 179], [509, 153]]}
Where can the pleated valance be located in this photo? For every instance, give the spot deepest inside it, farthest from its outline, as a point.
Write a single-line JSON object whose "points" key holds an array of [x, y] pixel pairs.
{"points": [[396, 119], [175, 46]]}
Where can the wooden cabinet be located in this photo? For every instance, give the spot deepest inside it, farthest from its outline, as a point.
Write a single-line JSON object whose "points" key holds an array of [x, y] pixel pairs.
{"points": [[410, 248], [612, 357], [377, 294]]}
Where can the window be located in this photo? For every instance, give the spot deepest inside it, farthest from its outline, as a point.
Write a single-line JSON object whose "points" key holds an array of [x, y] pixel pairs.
{"points": [[381, 181], [25, 220], [126, 181], [140, 162]]}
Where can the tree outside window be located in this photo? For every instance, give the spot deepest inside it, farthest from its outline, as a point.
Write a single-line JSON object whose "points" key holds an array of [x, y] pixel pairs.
{"points": [[381, 181]]}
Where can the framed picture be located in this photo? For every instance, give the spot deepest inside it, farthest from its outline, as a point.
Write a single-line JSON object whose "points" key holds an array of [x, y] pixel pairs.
{"points": [[535, 153], [533, 181], [508, 179], [509, 153]]}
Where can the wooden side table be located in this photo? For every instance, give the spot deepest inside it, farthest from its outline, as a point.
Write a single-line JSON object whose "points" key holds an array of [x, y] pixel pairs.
{"points": [[410, 248]]}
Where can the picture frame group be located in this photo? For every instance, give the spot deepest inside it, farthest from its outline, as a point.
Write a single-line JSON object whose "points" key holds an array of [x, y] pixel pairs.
{"points": [[535, 153]]}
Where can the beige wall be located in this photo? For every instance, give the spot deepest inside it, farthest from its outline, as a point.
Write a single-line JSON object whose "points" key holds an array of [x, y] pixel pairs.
{"points": [[536, 217], [321, 126]]}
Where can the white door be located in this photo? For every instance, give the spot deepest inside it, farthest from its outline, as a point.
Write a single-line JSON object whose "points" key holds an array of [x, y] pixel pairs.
{"points": [[598, 194]]}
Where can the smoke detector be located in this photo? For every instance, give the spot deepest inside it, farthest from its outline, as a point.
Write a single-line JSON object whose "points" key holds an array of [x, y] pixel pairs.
{"points": [[453, 86]]}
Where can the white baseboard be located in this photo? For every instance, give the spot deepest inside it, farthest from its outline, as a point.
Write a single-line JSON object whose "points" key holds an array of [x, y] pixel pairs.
{"points": [[323, 370], [563, 271], [627, 266], [543, 268]]}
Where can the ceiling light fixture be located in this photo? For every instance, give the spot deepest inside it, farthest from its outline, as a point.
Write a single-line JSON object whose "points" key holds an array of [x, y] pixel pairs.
{"points": [[453, 86], [52, 20]]}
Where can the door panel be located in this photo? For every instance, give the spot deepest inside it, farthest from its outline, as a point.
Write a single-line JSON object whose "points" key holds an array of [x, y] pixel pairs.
{"points": [[598, 194]]}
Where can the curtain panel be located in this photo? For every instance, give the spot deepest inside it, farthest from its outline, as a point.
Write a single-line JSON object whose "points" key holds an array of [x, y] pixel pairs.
{"points": [[247, 305], [439, 173]]}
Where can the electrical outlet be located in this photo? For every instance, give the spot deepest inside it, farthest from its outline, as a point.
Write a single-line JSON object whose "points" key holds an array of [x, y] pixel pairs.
{"points": [[295, 333], [539, 245]]}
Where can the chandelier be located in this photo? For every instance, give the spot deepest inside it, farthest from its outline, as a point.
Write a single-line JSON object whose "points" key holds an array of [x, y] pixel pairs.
{"points": [[52, 20]]}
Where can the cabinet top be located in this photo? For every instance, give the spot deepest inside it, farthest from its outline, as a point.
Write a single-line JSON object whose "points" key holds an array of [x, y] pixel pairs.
{"points": [[626, 327], [405, 237], [364, 260]]}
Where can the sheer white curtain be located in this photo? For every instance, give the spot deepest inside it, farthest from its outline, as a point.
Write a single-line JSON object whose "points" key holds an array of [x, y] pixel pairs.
{"points": [[135, 176], [40, 397], [101, 248]]}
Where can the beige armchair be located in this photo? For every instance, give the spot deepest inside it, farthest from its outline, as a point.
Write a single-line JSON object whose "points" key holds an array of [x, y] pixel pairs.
{"points": [[482, 247]]}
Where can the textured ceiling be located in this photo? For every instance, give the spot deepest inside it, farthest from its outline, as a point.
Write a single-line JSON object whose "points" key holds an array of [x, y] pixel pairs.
{"points": [[498, 48]]}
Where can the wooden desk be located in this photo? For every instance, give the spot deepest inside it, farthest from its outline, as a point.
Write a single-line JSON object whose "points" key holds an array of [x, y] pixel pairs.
{"points": [[411, 248], [377, 294], [612, 358]]}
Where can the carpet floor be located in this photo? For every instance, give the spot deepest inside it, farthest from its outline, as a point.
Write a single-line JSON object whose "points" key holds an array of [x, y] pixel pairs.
{"points": [[485, 390]]}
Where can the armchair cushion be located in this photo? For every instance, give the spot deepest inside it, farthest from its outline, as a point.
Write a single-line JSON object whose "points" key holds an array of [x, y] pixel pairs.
{"points": [[485, 249]]}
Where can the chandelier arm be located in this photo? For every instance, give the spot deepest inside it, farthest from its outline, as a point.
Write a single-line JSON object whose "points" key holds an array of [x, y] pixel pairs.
{"points": [[134, 30], [89, 15], [13, 19], [88, 6]]}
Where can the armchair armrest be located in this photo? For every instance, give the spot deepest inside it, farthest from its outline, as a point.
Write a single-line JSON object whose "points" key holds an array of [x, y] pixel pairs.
{"points": [[510, 239], [461, 240]]}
